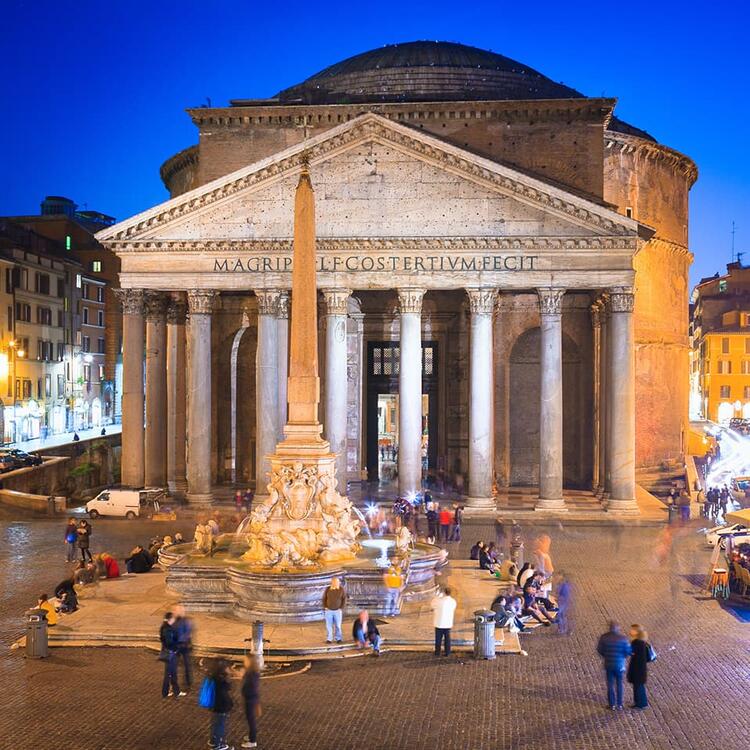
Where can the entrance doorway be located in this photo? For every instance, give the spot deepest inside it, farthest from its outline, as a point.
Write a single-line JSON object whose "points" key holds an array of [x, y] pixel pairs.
{"points": [[382, 409]]}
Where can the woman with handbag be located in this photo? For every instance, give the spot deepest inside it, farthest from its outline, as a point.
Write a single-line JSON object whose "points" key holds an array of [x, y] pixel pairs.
{"points": [[642, 654]]}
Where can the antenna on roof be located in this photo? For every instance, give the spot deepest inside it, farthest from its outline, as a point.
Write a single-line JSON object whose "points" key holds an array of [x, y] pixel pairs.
{"points": [[739, 258], [733, 233]]}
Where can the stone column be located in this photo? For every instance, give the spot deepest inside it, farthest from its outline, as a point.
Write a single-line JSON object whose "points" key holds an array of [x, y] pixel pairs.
{"points": [[132, 472], [266, 386], [605, 458], [200, 306], [282, 318], [622, 391], [551, 395], [336, 384], [410, 392], [596, 328], [176, 396], [156, 390], [481, 386]]}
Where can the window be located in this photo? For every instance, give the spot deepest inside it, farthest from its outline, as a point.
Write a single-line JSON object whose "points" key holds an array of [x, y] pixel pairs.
{"points": [[722, 285], [44, 316], [725, 391], [87, 373], [85, 315], [100, 294], [725, 367], [60, 319], [39, 390], [60, 287], [10, 317], [725, 346], [102, 350], [85, 291], [101, 373], [23, 312], [41, 283], [78, 281], [747, 346], [48, 386], [61, 386], [68, 242], [60, 351], [26, 388], [746, 366], [100, 318], [18, 389], [96, 266], [86, 345], [629, 212]]}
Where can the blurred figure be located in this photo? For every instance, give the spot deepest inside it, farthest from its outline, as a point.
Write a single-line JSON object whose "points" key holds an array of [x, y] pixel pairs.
{"points": [[222, 705], [238, 502], [564, 605], [251, 697], [637, 668], [458, 514], [184, 626], [44, 603], [394, 582], [614, 648], [248, 498], [168, 638], [71, 536]]}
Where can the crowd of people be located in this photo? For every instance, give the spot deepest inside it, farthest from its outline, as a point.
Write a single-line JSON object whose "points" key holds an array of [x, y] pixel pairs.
{"points": [[443, 521]]}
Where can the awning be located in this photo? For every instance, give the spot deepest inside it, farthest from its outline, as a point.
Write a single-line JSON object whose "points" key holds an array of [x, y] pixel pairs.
{"points": [[739, 516]]}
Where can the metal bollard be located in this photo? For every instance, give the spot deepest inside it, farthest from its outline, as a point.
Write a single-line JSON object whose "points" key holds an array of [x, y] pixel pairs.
{"points": [[257, 641], [484, 634]]}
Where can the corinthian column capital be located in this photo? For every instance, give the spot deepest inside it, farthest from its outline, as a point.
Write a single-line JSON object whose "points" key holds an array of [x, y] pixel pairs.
{"points": [[481, 300], [550, 301], [621, 300], [201, 301], [337, 301], [131, 300], [268, 301], [176, 311], [282, 306], [156, 305], [410, 300]]}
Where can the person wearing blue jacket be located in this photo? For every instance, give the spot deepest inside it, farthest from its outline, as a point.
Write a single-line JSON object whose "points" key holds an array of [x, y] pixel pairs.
{"points": [[614, 648]]}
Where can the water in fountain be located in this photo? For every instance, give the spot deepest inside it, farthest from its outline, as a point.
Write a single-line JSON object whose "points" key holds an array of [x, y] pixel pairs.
{"points": [[362, 518]]}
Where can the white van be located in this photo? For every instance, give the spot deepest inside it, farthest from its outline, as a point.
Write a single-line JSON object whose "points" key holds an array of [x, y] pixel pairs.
{"points": [[127, 503]]}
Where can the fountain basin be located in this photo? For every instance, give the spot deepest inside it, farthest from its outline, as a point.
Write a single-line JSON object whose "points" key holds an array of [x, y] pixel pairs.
{"points": [[224, 583]]}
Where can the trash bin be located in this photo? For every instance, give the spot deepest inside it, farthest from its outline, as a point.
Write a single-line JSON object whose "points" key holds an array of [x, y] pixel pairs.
{"points": [[484, 634], [36, 634]]}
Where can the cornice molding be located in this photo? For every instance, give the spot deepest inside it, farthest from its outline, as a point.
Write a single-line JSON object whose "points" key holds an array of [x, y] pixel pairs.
{"points": [[357, 244], [375, 127], [682, 164]]}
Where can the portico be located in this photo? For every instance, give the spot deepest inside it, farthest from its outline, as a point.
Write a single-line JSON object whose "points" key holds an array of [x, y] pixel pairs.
{"points": [[421, 245]]}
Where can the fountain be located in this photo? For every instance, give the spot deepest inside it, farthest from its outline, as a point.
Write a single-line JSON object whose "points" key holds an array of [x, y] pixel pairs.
{"points": [[277, 564]]}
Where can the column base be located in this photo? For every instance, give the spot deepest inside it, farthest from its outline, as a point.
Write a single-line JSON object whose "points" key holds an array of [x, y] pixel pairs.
{"points": [[199, 498], [178, 486], [480, 503], [623, 507], [551, 505]]}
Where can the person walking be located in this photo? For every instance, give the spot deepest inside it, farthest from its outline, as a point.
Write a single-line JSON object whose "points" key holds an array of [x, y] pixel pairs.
{"points": [[184, 627], [84, 532], [168, 637], [222, 706], [238, 502], [614, 648], [248, 498], [446, 518], [443, 610], [432, 523], [251, 697], [394, 582], [71, 536], [334, 599], [641, 655], [458, 514], [564, 605]]}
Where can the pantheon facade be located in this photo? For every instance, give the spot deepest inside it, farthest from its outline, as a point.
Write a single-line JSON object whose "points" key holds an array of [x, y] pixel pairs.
{"points": [[503, 276]]}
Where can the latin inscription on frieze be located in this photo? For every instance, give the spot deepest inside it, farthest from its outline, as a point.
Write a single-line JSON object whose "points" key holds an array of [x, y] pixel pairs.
{"points": [[383, 263]]}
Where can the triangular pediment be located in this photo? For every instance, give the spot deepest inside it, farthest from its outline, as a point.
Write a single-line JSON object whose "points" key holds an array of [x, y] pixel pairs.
{"points": [[375, 178]]}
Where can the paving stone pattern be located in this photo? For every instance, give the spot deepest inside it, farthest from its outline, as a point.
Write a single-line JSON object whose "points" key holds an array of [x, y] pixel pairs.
{"points": [[552, 699]]}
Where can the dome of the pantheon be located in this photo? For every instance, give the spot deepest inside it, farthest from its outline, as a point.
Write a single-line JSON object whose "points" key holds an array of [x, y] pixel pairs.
{"points": [[430, 71]]}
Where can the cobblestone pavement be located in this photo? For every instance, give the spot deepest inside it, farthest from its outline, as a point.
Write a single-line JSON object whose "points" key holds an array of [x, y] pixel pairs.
{"points": [[552, 699]]}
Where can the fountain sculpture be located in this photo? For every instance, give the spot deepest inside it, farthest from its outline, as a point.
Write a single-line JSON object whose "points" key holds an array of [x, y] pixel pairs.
{"points": [[302, 533]]}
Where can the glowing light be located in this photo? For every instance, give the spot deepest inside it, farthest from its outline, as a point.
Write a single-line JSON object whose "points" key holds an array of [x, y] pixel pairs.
{"points": [[371, 509], [412, 497], [3, 365]]}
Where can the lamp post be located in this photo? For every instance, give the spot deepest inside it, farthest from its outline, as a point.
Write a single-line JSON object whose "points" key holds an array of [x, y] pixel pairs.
{"points": [[16, 355]]}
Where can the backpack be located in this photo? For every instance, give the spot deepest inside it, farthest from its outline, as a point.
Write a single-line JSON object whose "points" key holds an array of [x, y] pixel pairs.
{"points": [[207, 693]]}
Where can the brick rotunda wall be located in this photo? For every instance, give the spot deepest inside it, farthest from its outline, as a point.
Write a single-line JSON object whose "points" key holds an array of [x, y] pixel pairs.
{"points": [[654, 182]]}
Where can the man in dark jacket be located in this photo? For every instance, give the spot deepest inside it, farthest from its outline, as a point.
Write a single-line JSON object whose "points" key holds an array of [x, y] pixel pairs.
{"points": [[222, 705], [139, 561], [614, 648], [365, 631], [169, 646], [184, 628]]}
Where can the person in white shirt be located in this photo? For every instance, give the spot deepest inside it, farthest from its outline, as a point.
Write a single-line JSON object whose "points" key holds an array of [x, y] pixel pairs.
{"points": [[443, 609]]}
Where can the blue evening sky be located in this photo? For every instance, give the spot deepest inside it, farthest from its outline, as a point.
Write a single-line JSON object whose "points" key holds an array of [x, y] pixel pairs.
{"points": [[93, 93]]}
